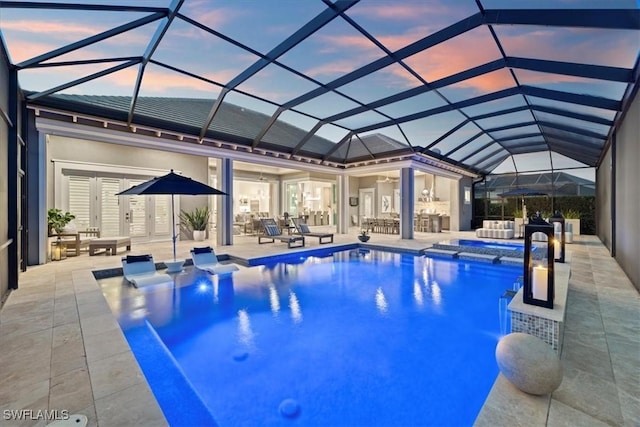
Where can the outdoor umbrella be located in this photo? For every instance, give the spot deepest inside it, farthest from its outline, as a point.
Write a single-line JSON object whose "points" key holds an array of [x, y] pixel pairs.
{"points": [[172, 184], [522, 192]]}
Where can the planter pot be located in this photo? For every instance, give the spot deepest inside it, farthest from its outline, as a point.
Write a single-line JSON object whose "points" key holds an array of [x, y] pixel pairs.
{"points": [[575, 225], [199, 235], [364, 238]]}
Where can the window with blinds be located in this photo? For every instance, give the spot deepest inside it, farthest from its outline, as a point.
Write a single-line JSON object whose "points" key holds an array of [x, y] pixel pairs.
{"points": [[162, 209], [80, 200], [109, 207]]}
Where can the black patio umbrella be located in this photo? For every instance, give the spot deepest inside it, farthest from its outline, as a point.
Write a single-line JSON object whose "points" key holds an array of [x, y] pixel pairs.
{"points": [[172, 184], [522, 192]]}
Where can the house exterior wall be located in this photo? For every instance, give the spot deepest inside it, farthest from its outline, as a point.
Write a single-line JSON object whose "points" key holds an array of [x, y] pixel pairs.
{"points": [[627, 199], [603, 201], [623, 210]]}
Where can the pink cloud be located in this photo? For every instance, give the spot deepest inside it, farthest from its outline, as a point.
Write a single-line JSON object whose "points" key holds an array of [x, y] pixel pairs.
{"points": [[395, 42], [416, 11], [214, 18], [490, 82], [63, 30], [21, 50], [333, 68], [40, 37], [466, 51], [397, 25]]}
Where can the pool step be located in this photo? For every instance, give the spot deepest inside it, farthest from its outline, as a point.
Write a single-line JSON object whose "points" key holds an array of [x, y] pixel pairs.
{"points": [[511, 260], [441, 252], [478, 257]]}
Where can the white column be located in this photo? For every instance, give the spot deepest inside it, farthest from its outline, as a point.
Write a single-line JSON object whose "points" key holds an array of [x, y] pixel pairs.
{"points": [[342, 184], [407, 183], [224, 204], [43, 237]]}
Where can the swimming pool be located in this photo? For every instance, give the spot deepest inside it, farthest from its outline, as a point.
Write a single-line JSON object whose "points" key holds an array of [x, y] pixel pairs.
{"points": [[354, 338]]}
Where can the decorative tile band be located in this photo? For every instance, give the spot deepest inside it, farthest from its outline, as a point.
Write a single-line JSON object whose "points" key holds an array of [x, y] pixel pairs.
{"points": [[547, 330]]}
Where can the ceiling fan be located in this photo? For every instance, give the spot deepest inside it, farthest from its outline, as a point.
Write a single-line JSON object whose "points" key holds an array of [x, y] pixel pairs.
{"points": [[387, 180]]}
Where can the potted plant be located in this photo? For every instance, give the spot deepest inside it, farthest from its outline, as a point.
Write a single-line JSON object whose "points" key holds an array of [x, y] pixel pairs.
{"points": [[572, 216], [364, 236], [57, 220], [197, 221]]}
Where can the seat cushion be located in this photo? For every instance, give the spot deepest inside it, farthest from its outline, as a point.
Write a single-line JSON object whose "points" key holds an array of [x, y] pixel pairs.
{"points": [[204, 250], [137, 258], [304, 228]]}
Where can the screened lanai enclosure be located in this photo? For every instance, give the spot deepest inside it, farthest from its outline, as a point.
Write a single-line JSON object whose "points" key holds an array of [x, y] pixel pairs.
{"points": [[464, 84]]}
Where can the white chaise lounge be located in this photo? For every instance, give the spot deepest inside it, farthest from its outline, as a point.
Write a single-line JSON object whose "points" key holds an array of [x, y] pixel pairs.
{"points": [[205, 259], [141, 271]]}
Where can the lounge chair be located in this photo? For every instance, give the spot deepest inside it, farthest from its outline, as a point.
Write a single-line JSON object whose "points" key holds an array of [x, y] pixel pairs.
{"points": [[272, 232], [141, 271], [303, 229], [205, 259]]}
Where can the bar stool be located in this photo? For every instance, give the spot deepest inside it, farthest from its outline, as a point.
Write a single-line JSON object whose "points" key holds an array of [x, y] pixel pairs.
{"points": [[425, 223]]}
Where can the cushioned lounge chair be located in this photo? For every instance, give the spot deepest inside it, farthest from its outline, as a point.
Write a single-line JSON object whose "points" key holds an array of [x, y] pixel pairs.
{"points": [[303, 229], [273, 232], [205, 259], [141, 271]]}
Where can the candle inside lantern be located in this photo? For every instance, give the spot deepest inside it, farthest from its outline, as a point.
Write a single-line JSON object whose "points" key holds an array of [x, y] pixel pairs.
{"points": [[56, 255], [540, 276], [556, 249]]}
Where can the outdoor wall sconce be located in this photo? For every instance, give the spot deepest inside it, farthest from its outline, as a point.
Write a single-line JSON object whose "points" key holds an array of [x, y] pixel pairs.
{"points": [[557, 220], [538, 273]]}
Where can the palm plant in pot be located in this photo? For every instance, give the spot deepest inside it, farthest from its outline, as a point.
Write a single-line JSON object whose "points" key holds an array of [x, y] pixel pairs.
{"points": [[196, 221]]}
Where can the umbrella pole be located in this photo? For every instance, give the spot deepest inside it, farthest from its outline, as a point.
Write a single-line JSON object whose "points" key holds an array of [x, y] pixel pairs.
{"points": [[173, 227]]}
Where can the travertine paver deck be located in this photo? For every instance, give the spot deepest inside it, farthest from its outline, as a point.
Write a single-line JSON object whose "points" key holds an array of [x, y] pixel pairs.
{"points": [[62, 349]]}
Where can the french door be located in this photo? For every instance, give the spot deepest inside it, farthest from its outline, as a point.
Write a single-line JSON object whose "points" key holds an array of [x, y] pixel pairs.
{"points": [[367, 203], [92, 199]]}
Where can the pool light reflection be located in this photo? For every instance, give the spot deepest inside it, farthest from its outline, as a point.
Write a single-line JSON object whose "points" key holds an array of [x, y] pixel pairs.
{"points": [[274, 300], [417, 293], [381, 302], [245, 333], [294, 305]]}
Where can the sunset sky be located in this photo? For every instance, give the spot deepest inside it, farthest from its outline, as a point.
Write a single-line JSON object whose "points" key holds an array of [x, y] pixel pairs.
{"points": [[336, 49]]}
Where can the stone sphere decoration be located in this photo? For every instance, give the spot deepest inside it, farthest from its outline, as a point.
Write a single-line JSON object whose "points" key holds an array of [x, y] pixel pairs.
{"points": [[529, 363]]}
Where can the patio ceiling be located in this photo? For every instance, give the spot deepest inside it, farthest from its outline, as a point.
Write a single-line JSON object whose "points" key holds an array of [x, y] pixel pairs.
{"points": [[473, 83]]}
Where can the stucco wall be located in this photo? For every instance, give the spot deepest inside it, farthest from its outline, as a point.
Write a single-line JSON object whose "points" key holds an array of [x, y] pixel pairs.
{"points": [[627, 202], [603, 201]]}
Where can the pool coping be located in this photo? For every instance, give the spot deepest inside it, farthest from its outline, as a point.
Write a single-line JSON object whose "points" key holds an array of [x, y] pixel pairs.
{"points": [[84, 281]]}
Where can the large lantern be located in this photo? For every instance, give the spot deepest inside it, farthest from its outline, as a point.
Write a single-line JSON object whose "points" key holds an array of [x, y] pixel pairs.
{"points": [[557, 221], [538, 269], [58, 250]]}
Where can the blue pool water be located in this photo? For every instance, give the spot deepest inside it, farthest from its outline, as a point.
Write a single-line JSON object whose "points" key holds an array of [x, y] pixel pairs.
{"points": [[354, 338]]}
